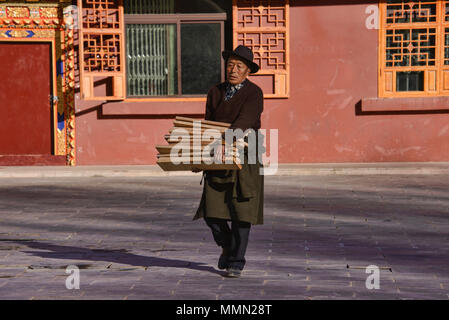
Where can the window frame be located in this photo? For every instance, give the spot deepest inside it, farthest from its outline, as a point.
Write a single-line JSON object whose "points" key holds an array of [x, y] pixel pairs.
{"points": [[177, 19], [436, 77]]}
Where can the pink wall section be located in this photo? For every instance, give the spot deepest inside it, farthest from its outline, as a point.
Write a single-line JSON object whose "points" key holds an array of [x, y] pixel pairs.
{"points": [[333, 66], [125, 133]]}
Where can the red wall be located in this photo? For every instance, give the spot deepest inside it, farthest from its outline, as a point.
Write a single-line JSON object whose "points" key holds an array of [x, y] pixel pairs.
{"points": [[333, 61]]}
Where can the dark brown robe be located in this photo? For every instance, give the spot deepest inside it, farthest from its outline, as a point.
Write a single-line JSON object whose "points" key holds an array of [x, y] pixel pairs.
{"points": [[234, 194]]}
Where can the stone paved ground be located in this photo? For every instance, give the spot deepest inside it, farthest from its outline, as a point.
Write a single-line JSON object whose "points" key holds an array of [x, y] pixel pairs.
{"points": [[133, 238]]}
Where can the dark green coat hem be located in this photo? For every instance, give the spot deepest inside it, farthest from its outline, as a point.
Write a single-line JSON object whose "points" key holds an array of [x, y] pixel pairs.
{"points": [[233, 195]]}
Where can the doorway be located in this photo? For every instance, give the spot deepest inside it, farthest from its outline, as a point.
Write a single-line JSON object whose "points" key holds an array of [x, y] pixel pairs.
{"points": [[26, 111]]}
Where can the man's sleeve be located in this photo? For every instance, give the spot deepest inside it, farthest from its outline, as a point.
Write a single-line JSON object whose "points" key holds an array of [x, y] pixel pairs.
{"points": [[208, 112], [249, 116]]}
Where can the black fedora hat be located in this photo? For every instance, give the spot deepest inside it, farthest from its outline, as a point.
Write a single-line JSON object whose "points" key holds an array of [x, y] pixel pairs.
{"points": [[245, 54]]}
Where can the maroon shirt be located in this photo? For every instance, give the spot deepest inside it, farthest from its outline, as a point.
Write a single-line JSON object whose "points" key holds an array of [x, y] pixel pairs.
{"points": [[242, 111]]}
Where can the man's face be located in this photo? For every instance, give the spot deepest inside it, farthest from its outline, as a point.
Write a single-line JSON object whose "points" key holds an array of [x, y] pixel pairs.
{"points": [[236, 70]]}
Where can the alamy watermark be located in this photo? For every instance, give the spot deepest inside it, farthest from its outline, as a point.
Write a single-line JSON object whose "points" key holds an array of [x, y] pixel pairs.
{"points": [[73, 280], [373, 280], [208, 146], [372, 21]]}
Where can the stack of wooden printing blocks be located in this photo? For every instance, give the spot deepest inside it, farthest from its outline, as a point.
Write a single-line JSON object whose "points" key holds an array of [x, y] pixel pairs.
{"points": [[186, 143]]}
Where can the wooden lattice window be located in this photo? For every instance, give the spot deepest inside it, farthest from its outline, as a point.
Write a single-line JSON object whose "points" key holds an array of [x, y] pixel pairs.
{"points": [[102, 68], [263, 26], [414, 48]]}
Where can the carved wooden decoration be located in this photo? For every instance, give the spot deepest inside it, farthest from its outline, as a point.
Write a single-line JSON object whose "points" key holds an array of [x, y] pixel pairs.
{"points": [[102, 66], [53, 22], [263, 26]]}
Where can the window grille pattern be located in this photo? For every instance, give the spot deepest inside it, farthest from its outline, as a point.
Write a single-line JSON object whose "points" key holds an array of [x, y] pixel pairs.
{"points": [[101, 52], [411, 47], [414, 48], [100, 14], [399, 11], [101, 49], [151, 59], [262, 25], [269, 48], [259, 14]]}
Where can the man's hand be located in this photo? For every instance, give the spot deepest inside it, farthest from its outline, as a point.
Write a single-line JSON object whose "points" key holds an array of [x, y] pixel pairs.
{"points": [[219, 156]]}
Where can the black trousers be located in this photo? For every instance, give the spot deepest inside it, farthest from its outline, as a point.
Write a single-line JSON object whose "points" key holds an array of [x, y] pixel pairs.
{"points": [[235, 239]]}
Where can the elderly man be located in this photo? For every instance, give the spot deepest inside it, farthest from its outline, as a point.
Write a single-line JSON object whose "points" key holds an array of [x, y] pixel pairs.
{"points": [[234, 195]]}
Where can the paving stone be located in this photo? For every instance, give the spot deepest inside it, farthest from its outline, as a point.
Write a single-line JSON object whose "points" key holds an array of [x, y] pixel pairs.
{"points": [[134, 238]]}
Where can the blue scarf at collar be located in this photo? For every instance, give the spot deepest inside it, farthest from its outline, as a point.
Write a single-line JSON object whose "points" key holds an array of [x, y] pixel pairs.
{"points": [[231, 90]]}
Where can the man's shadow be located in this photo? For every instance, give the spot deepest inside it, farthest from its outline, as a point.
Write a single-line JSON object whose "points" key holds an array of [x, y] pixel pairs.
{"points": [[113, 256]]}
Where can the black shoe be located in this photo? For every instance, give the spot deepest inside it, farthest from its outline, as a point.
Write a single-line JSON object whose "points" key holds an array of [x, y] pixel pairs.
{"points": [[223, 260], [233, 272]]}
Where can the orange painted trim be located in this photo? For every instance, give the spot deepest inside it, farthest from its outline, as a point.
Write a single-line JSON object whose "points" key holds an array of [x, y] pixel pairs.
{"points": [[123, 52], [380, 49]]}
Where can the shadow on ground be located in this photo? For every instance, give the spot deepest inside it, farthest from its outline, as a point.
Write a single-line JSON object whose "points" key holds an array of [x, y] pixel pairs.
{"points": [[114, 256]]}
